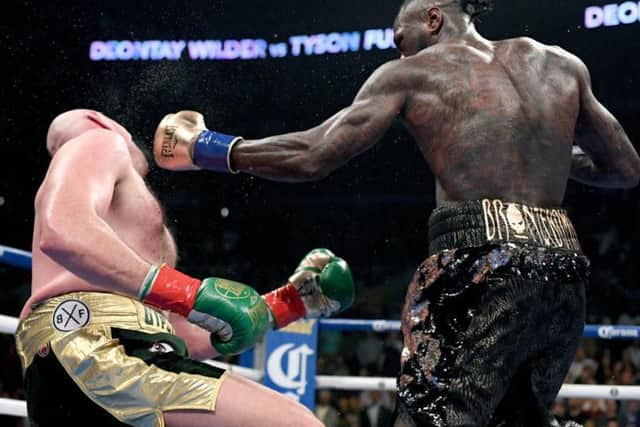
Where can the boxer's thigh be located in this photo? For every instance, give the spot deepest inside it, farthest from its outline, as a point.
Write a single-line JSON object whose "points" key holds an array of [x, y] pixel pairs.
{"points": [[244, 403]]}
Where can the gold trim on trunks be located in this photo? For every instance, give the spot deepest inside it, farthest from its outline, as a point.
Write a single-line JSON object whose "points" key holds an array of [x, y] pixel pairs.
{"points": [[514, 222], [77, 326]]}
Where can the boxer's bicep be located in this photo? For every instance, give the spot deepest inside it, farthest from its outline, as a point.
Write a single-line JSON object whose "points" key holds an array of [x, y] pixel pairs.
{"points": [[361, 125], [380, 100]]}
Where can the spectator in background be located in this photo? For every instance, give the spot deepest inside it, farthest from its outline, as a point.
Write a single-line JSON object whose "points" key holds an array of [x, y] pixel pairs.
{"points": [[561, 410], [389, 362], [375, 412], [605, 374], [611, 412], [629, 413], [330, 342], [348, 416], [325, 410], [633, 354], [369, 350], [580, 360], [576, 412]]}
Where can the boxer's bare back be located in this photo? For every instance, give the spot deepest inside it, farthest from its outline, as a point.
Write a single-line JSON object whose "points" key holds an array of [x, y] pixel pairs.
{"points": [[494, 119]]}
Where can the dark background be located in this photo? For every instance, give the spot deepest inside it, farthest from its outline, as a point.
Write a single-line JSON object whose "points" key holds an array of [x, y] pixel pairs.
{"points": [[373, 212]]}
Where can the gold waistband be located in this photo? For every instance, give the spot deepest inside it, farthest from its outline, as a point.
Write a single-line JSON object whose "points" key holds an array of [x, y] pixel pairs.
{"points": [[65, 313], [481, 222]]}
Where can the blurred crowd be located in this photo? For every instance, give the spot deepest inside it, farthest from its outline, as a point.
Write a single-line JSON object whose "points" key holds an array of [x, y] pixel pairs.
{"points": [[613, 298], [596, 362], [371, 354]]}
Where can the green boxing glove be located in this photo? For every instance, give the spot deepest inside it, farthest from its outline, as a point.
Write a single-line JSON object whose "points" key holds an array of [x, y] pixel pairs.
{"points": [[321, 286], [234, 313]]}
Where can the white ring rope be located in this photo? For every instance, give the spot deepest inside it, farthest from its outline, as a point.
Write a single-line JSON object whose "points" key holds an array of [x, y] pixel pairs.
{"points": [[252, 374], [8, 325], [568, 391], [16, 408]]}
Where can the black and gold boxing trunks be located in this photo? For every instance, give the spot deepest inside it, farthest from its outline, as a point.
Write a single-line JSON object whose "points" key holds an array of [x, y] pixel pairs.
{"points": [[98, 359], [492, 318]]}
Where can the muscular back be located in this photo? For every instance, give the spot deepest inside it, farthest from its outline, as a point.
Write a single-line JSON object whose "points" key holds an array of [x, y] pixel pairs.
{"points": [[495, 120]]}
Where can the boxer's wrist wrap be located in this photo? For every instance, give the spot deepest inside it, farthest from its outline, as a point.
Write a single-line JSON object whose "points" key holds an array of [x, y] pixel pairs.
{"points": [[169, 289], [212, 151], [286, 305]]}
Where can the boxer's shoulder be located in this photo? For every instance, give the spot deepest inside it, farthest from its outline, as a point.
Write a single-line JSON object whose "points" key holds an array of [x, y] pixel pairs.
{"points": [[527, 47]]}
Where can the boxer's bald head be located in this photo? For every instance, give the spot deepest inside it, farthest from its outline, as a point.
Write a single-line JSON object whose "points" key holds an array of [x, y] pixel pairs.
{"points": [[423, 23], [73, 123]]}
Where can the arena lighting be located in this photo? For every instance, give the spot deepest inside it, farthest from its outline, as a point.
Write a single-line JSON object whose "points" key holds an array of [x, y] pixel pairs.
{"points": [[611, 15], [242, 49]]}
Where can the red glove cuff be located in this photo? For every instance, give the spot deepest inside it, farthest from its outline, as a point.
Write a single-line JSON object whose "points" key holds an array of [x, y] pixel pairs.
{"points": [[286, 305], [173, 291]]}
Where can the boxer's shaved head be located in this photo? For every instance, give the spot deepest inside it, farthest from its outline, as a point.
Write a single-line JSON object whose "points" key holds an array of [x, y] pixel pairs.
{"points": [[74, 123], [423, 23]]}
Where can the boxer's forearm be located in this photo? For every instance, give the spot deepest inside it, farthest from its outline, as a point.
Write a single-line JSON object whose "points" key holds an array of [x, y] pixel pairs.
{"points": [[295, 157], [196, 338], [586, 171], [609, 159], [182, 141], [604, 156], [287, 157]]}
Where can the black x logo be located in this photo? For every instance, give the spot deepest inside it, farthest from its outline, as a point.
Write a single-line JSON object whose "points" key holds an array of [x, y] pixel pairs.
{"points": [[71, 315]]}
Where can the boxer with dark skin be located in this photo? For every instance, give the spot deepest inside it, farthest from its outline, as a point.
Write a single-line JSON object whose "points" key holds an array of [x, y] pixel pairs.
{"points": [[492, 118], [493, 317]]}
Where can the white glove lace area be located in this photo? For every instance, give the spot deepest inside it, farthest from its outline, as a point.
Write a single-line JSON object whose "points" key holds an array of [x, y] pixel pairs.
{"points": [[316, 303], [216, 326]]}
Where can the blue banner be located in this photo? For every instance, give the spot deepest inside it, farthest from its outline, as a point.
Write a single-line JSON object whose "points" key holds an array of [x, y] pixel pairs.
{"points": [[290, 365]]}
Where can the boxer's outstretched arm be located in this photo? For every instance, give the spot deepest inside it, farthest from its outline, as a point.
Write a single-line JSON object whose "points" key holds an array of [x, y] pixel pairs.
{"points": [[314, 153], [605, 157], [70, 207]]}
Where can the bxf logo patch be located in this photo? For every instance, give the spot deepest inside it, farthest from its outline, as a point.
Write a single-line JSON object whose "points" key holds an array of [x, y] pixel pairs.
{"points": [[70, 315]]}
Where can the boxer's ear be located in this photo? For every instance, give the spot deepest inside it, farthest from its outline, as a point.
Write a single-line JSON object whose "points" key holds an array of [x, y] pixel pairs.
{"points": [[100, 119], [107, 123], [434, 19]]}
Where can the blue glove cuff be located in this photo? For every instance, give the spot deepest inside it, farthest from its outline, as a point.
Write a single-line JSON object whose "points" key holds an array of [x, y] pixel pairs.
{"points": [[213, 151]]}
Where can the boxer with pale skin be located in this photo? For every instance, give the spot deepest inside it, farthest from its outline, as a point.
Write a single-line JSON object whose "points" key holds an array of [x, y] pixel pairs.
{"points": [[111, 322]]}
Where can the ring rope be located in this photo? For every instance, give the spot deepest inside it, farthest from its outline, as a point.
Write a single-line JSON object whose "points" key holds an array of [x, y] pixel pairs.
{"points": [[22, 259], [18, 408]]}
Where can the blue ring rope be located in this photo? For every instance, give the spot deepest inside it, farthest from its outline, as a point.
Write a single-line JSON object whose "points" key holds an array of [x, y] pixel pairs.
{"points": [[22, 259]]}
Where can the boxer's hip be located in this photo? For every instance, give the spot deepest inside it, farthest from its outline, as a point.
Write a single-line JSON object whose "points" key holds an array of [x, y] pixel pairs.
{"points": [[57, 316], [505, 281], [476, 320], [117, 360], [455, 225]]}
